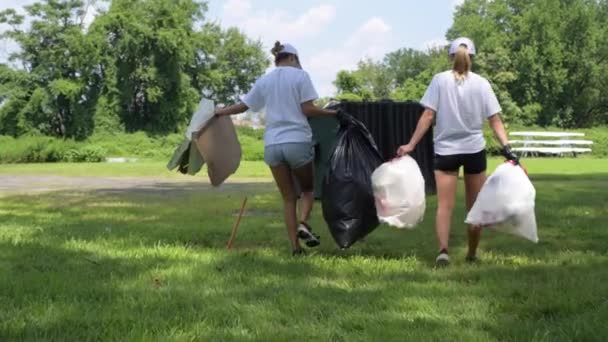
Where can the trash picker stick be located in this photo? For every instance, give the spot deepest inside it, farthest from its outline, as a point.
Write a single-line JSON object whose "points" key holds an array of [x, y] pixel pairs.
{"points": [[236, 224]]}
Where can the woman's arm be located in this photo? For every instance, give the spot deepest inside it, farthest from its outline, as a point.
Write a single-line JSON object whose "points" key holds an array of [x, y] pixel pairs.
{"points": [[501, 135], [499, 129], [424, 123], [310, 110], [231, 110]]}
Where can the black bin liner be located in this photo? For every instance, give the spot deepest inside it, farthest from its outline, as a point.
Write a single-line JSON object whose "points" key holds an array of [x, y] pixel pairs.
{"points": [[348, 200]]}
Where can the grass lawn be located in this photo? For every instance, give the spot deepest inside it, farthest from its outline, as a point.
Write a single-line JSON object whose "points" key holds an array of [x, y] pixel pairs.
{"points": [[149, 265], [253, 169]]}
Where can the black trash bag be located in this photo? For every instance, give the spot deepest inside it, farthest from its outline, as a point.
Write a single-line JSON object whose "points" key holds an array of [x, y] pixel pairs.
{"points": [[348, 200]]}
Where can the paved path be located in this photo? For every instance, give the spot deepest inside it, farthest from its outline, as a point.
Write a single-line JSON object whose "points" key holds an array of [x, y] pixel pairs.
{"points": [[10, 184]]}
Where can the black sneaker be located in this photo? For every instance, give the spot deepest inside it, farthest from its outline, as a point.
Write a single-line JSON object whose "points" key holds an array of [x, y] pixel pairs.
{"points": [[443, 259], [471, 259], [305, 233]]}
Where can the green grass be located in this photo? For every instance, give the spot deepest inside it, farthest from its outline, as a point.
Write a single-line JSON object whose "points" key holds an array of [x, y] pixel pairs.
{"points": [[257, 169], [150, 265]]}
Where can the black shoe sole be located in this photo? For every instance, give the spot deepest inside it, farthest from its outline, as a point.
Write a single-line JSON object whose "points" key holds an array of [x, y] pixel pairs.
{"points": [[442, 263], [298, 253], [472, 260], [310, 239]]}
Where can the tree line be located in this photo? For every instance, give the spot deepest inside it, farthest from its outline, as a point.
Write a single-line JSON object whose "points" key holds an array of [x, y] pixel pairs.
{"points": [[546, 59], [140, 65]]}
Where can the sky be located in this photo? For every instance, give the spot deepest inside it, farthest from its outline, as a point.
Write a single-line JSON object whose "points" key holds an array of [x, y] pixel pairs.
{"points": [[330, 35]]}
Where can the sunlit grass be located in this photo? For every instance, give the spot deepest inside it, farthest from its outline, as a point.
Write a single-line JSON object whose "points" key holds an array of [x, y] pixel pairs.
{"points": [[152, 265]]}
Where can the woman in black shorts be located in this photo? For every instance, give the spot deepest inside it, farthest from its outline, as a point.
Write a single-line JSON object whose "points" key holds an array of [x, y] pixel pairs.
{"points": [[461, 101]]}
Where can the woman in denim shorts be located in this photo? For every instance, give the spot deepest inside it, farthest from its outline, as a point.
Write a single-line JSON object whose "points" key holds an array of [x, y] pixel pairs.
{"points": [[287, 93]]}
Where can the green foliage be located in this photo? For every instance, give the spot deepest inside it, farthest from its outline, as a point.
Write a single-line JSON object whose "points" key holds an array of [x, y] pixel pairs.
{"points": [[257, 134], [370, 81], [141, 65], [599, 136], [546, 60], [350, 97], [161, 147], [36, 149], [88, 154], [252, 143], [253, 149]]}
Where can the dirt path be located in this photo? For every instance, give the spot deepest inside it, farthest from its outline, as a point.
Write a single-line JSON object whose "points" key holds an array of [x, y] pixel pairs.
{"points": [[11, 184]]}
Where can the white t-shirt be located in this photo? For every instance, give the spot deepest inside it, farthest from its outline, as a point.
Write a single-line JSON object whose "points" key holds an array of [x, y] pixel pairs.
{"points": [[461, 108], [282, 91]]}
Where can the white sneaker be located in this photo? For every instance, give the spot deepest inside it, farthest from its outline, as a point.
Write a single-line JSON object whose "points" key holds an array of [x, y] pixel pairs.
{"points": [[443, 259], [305, 233]]}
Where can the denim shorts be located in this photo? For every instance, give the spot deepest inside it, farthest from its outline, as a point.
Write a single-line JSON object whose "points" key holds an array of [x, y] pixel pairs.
{"points": [[294, 155]]}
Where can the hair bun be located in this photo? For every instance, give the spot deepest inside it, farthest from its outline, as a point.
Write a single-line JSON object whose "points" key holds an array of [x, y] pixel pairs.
{"points": [[277, 48]]}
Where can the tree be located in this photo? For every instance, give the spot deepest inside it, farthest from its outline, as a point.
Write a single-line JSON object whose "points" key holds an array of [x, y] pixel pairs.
{"points": [[59, 60], [141, 65], [158, 65], [546, 58], [406, 64], [371, 80]]}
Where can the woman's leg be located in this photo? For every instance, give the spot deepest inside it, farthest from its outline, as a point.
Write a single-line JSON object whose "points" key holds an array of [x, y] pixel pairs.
{"points": [[305, 178], [447, 182], [475, 166], [282, 176], [473, 184]]}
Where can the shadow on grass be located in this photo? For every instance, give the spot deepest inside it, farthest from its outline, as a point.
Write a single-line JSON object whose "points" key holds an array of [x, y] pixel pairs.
{"points": [[52, 292], [118, 264]]}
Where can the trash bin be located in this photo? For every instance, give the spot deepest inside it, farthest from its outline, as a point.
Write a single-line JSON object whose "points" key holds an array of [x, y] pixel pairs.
{"points": [[324, 131], [391, 124]]}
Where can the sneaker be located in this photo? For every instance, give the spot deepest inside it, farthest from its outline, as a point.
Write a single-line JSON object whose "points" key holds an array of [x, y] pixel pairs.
{"points": [[471, 259], [443, 259], [305, 233]]}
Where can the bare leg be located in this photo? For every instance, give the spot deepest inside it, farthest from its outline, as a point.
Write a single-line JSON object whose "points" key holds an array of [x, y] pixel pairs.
{"points": [[473, 184], [305, 177], [282, 176], [446, 191]]}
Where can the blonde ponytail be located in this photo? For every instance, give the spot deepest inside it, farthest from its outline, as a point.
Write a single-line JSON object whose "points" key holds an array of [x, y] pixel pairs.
{"points": [[462, 63]]}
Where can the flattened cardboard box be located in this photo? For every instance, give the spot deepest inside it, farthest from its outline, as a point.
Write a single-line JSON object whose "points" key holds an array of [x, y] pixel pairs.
{"points": [[220, 148]]}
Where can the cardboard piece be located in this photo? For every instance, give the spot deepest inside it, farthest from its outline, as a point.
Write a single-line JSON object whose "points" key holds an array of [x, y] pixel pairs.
{"points": [[186, 158], [204, 112], [220, 148]]}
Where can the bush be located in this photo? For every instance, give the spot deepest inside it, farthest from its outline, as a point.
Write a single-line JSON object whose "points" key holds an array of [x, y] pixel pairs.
{"points": [[38, 149], [139, 144], [86, 154], [599, 136], [142, 145], [257, 134], [253, 149], [46, 149]]}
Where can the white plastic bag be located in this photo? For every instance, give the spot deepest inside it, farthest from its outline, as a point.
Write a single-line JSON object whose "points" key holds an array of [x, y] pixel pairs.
{"points": [[204, 112], [399, 191], [506, 203]]}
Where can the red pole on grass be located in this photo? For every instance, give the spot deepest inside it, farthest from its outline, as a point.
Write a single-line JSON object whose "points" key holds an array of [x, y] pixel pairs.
{"points": [[236, 224]]}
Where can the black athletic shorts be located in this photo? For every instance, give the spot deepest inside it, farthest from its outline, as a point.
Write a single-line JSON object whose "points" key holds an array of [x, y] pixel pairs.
{"points": [[473, 163]]}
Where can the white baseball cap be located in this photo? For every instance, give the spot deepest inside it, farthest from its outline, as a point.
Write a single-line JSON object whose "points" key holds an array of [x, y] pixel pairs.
{"points": [[288, 48], [462, 41]]}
